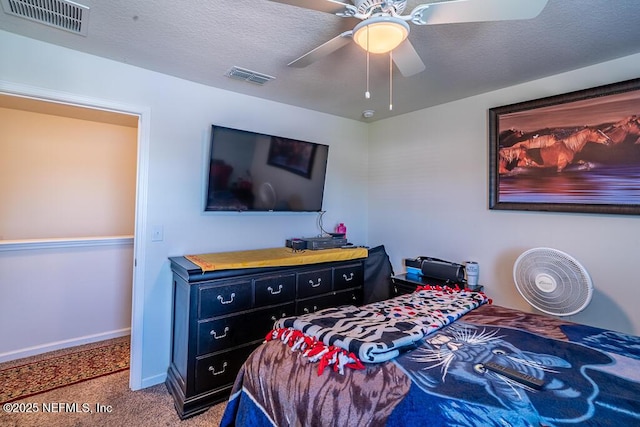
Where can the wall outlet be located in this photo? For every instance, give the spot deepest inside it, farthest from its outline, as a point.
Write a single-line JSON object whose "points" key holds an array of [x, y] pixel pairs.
{"points": [[157, 233]]}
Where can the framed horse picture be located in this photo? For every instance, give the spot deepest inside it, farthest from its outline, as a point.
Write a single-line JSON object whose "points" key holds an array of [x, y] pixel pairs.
{"points": [[292, 155], [576, 152]]}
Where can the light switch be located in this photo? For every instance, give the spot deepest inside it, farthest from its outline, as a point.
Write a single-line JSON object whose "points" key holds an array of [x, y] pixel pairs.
{"points": [[157, 233]]}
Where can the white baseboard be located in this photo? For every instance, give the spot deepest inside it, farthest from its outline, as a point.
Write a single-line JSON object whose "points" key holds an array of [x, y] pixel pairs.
{"points": [[59, 345], [151, 381]]}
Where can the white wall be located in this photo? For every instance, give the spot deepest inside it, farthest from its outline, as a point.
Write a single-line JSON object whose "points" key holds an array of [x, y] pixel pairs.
{"points": [[429, 196], [64, 177], [89, 280], [181, 114]]}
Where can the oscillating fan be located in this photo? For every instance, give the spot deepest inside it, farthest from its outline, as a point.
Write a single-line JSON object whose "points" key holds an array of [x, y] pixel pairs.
{"points": [[267, 196], [552, 281]]}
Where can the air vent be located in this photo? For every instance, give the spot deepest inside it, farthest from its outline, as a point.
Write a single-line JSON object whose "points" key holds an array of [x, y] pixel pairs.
{"points": [[248, 75], [64, 15]]}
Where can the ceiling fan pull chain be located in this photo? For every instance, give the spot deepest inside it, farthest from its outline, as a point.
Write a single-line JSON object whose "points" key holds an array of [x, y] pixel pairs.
{"points": [[367, 94], [390, 80]]}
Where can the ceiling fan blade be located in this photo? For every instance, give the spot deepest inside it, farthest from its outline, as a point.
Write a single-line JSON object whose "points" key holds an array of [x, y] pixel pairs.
{"points": [[329, 6], [457, 11], [322, 50], [407, 59]]}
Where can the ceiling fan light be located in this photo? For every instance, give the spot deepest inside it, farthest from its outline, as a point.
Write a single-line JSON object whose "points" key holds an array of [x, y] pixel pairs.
{"points": [[380, 34]]}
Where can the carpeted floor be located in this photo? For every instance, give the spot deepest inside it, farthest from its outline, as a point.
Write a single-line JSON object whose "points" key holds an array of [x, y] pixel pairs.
{"points": [[104, 401]]}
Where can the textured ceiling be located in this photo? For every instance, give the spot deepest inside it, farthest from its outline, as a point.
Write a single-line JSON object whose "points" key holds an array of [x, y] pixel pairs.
{"points": [[201, 40]]}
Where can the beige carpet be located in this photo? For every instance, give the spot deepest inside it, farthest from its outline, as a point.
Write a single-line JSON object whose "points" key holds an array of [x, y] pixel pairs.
{"points": [[152, 406]]}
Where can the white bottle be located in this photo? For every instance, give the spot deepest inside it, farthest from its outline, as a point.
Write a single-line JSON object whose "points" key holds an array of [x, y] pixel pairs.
{"points": [[472, 270]]}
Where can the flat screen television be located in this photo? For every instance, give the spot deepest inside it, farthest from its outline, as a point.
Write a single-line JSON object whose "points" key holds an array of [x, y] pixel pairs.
{"points": [[250, 171]]}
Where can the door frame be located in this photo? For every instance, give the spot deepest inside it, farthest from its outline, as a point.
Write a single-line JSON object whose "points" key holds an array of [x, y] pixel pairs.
{"points": [[140, 222]]}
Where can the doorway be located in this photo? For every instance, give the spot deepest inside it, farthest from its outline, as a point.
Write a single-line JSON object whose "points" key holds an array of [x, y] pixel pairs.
{"points": [[140, 116]]}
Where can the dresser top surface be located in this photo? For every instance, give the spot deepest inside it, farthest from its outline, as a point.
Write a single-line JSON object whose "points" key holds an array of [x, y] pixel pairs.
{"points": [[273, 257], [227, 264]]}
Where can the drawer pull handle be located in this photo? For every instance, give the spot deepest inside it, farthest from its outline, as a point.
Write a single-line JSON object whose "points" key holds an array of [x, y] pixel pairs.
{"points": [[315, 308], [270, 289], [213, 370], [215, 335], [315, 285], [283, 315], [222, 301], [348, 278]]}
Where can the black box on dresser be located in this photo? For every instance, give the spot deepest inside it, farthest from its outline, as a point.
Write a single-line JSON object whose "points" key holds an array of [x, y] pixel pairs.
{"points": [[220, 317]]}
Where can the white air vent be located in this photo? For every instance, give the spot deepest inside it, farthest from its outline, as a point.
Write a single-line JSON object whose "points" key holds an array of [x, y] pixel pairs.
{"points": [[64, 15], [248, 75]]}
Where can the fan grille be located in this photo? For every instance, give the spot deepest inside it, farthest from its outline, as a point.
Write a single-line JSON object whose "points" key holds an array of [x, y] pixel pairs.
{"points": [[552, 281]]}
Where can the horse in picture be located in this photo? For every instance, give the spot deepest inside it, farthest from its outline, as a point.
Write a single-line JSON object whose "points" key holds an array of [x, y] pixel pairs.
{"points": [[621, 130], [537, 141], [562, 152], [511, 157]]}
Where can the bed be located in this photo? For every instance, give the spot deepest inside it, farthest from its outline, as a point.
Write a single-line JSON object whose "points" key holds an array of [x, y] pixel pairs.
{"points": [[591, 376]]}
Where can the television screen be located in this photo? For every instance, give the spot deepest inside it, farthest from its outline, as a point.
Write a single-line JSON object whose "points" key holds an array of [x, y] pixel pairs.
{"points": [[255, 172]]}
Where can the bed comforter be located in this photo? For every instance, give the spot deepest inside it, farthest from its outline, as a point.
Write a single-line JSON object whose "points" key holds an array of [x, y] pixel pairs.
{"points": [[592, 377]]}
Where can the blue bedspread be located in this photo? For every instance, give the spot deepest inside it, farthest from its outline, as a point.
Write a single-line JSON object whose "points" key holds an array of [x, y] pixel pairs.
{"points": [[592, 378]]}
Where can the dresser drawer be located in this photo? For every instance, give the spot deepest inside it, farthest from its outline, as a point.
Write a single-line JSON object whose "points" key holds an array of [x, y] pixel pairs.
{"points": [[232, 331], [216, 335], [220, 370], [311, 305], [349, 276], [225, 298], [275, 290], [350, 297], [263, 320], [333, 299], [314, 282]]}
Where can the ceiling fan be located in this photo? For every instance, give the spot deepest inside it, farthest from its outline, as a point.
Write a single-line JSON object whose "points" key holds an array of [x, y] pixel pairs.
{"points": [[383, 27]]}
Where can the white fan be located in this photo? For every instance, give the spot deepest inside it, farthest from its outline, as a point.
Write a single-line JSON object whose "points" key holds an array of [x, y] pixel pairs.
{"points": [[552, 281], [267, 196], [383, 21]]}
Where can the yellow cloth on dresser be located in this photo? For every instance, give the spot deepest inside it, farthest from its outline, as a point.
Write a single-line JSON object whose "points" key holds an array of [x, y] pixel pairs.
{"points": [[272, 257]]}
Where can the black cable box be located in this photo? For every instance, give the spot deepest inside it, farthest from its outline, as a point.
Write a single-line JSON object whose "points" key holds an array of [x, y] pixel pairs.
{"points": [[316, 243], [296, 244]]}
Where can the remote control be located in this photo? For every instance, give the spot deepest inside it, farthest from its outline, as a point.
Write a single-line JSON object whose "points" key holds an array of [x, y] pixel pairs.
{"points": [[522, 378]]}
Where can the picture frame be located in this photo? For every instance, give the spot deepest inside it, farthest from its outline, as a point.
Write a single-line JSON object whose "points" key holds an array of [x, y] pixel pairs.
{"points": [[292, 155], [575, 152]]}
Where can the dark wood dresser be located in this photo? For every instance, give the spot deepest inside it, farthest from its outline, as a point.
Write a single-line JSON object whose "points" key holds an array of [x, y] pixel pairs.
{"points": [[220, 317]]}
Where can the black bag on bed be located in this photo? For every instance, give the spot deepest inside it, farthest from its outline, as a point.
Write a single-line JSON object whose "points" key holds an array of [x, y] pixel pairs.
{"points": [[377, 275]]}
